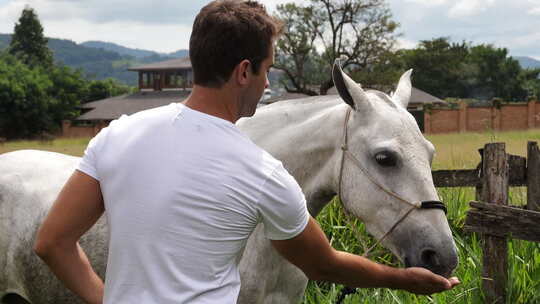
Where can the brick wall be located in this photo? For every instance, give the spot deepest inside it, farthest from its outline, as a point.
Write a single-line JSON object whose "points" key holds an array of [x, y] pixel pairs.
{"points": [[514, 117], [479, 119], [443, 121]]}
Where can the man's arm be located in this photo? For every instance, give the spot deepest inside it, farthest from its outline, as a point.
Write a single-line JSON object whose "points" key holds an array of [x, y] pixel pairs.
{"points": [[311, 252], [78, 206]]}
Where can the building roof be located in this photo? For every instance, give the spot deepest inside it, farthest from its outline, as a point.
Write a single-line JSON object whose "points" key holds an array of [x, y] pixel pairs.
{"points": [[173, 64], [417, 97], [284, 96], [114, 107]]}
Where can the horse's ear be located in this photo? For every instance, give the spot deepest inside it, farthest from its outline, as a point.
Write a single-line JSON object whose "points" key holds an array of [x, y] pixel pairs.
{"points": [[402, 95], [351, 92]]}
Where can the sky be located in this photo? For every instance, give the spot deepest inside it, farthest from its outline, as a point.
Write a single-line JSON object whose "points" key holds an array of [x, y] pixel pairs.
{"points": [[165, 25]]}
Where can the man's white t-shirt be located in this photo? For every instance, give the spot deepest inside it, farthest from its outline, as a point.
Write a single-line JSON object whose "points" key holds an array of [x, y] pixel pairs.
{"points": [[183, 191]]}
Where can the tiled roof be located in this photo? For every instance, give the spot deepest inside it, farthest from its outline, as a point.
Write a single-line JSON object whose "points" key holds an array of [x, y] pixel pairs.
{"points": [[173, 64], [417, 97], [114, 107]]}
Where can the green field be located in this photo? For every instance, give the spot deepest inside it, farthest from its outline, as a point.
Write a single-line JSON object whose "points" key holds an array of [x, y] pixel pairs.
{"points": [[454, 151], [71, 146]]}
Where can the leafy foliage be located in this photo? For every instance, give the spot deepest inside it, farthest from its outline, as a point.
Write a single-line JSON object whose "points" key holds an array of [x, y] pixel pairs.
{"points": [[495, 74], [296, 55], [34, 100], [437, 66], [101, 89], [28, 42], [24, 99], [356, 31], [461, 70]]}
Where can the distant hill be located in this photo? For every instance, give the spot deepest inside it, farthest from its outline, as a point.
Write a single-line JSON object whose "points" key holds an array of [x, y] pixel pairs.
{"points": [[528, 62], [179, 54], [96, 63], [137, 53], [102, 59], [109, 46]]}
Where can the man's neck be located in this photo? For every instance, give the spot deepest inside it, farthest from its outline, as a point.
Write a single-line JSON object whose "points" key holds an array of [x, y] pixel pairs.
{"points": [[220, 102]]}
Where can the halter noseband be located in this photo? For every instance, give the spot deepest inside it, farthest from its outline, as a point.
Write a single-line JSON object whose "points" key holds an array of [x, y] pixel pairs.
{"points": [[414, 205]]}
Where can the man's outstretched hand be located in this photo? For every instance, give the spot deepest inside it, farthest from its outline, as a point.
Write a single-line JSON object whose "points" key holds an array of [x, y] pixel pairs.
{"points": [[422, 281]]}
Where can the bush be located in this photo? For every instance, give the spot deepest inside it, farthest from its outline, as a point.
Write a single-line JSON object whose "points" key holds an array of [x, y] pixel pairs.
{"points": [[36, 99], [101, 89], [24, 99]]}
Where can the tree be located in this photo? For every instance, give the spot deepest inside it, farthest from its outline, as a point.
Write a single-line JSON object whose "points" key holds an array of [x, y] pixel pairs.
{"points": [[439, 67], [28, 43], [532, 83], [68, 89], [382, 74], [297, 55], [497, 74], [356, 31], [24, 101]]}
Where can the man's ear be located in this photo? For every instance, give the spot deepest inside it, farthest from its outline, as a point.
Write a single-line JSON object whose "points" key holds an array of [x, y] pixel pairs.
{"points": [[243, 72]]}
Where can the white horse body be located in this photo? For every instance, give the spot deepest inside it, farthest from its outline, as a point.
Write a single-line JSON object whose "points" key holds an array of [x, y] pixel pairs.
{"points": [[306, 135], [29, 183]]}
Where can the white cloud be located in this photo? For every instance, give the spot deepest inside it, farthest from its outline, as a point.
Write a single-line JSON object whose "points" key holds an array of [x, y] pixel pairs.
{"points": [[534, 11], [529, 40], [467, 8], [428, 2], [161, 38], [403, 43], [271, 4]]}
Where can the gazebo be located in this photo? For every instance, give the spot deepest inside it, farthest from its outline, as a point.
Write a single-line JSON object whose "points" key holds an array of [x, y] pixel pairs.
{"points": [[169, 74]]}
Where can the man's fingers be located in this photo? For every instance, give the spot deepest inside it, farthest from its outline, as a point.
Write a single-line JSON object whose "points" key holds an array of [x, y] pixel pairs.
{"points": [[454, 281]]}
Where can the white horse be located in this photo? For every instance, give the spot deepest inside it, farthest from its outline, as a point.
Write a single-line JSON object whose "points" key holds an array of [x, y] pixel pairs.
{"points": [[385, 170]]}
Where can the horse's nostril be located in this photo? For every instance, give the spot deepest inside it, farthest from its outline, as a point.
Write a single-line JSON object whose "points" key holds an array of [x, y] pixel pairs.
{"points": [[430, 258]]}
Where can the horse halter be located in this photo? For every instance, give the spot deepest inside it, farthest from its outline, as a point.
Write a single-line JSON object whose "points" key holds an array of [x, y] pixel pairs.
{"points": [[414, 205]]}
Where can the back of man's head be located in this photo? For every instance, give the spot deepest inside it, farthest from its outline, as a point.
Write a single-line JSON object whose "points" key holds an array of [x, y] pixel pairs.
{"points": [[224, 33]]}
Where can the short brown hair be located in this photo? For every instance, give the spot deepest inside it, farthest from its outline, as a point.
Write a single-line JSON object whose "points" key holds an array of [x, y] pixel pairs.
{"points": [[224, 33]]}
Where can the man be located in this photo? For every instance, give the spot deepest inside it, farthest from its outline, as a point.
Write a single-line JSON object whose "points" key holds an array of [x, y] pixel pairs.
{"points": [[184, 188]]}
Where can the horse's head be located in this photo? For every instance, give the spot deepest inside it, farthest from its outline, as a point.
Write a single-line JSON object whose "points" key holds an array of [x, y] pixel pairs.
{"points": [[390, 163]]}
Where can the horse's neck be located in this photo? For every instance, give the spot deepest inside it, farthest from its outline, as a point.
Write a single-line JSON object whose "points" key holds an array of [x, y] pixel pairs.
{"points": [[307, 139]]}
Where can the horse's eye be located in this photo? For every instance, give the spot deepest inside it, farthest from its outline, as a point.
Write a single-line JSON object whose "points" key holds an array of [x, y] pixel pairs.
{"points": [[385, 159]]}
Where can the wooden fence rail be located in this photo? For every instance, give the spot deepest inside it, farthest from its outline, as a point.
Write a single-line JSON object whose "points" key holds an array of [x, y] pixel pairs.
{"points": [[492, 217], [471, 177], [503, 221]]}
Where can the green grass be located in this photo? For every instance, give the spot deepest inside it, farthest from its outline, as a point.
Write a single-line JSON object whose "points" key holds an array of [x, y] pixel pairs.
{"points": [[71, 146], [454, 151], [460, 150]]}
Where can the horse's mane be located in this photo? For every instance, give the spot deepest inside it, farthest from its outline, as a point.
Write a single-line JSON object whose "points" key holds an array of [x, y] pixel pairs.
{"points": [[324, 100]]}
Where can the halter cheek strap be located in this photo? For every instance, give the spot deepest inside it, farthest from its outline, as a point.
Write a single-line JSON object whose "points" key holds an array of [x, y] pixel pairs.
{"points": [[414, 205]]}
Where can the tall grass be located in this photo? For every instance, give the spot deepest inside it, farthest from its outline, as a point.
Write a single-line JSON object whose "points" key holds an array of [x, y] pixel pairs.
{"points": [[454, 151]]}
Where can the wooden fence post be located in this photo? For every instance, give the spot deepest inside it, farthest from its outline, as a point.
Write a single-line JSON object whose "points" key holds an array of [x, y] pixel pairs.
{"points": [[533, 176], [494, 190]]}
